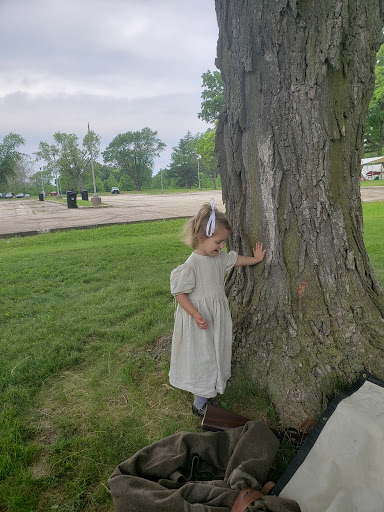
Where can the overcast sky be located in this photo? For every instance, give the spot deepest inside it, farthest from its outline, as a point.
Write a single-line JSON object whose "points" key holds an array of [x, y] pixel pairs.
{"points": [[120, 65]]}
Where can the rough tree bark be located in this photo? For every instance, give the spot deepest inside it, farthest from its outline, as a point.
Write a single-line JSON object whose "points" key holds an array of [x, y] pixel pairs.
{"points": [[298, 78]]}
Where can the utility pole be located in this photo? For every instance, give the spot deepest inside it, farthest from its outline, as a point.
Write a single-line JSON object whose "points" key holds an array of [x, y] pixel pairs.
{"points": [[95, 200], [198, 169], [58, 195], [42, 181]]}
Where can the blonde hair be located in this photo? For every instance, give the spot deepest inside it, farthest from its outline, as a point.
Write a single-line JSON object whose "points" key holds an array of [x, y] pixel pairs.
{"points": [[196, 227]]}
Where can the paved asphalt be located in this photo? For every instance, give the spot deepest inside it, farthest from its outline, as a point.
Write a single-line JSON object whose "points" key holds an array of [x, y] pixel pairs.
{"points": [[19, 217]]}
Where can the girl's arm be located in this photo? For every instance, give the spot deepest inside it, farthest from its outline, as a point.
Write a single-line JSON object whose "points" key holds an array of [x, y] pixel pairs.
{"points": [[258, 255], [187, 305]]}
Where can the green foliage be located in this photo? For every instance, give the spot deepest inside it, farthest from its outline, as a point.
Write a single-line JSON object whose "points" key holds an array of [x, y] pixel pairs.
{"points": [[205, 146], [184, 165], [10, 156], [40, 181], [126, 183], [68, 161], [112, 182], [374, 130], [134, 154], [212, 96], [20, 181]]}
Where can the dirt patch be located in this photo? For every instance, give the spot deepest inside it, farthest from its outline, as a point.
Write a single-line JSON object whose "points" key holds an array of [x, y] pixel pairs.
{"points": [[162, 349]]}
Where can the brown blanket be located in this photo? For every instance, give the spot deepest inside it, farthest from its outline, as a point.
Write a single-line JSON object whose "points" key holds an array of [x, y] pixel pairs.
{"points": [[157, 478]]}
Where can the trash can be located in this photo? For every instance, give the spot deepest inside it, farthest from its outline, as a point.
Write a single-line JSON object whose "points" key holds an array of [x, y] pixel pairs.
{"points": [[84, 195], [71, 199], [41, 196]]}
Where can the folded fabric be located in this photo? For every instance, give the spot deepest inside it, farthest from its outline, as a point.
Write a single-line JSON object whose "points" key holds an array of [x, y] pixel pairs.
{"points": [[158, 477]]}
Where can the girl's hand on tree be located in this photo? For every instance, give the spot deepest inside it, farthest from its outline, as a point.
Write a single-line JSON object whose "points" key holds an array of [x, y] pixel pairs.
{"points": [[258, 252], [200, 321]]}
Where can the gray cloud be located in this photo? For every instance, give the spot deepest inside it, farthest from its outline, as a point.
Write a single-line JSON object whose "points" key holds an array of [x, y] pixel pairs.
{"points": [[119, 64]]}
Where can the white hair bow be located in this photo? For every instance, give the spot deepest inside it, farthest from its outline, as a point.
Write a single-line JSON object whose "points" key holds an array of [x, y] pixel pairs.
{"points": [[211, 224]]}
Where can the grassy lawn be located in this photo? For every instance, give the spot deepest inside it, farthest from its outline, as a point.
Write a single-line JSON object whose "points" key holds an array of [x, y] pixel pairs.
{"points": [[372, 183], [85, 322], [82, 382], [373, 235]]}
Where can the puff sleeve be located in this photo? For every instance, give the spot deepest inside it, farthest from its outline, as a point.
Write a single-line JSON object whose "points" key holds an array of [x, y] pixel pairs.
{"points": [[230, 260], [182, 279]]}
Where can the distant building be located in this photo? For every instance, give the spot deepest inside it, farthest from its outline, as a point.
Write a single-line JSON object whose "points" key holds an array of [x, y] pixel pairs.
{"points": [[373, 168]]}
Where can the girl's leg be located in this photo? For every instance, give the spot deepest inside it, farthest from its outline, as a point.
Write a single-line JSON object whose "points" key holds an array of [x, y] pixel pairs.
{"points": [[200, 402]]}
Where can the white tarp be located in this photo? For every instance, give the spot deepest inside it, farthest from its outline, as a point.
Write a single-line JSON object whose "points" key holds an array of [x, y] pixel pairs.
{"points": [[340, 467]]}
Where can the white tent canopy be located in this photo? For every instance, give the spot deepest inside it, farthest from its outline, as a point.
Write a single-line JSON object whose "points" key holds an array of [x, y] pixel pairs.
{"points": [[374, 160]]}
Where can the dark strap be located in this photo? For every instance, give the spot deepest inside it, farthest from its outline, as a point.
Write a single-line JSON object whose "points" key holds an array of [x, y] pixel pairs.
{"points": [[245, 497], [248, 495]]}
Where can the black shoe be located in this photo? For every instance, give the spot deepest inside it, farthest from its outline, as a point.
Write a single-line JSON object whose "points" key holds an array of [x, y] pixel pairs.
{"points": [[199, 412]]}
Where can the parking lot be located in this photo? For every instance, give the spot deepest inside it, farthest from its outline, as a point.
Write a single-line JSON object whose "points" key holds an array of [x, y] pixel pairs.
{"points": [[31, 216]]}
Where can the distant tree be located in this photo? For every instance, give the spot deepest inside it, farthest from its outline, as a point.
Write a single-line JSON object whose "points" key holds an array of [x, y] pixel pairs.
{"points": [[134, 154], [101, 176], [24, 169], [88, 179], [157, 180], [10, 156], [184, 164], [112, 182], [68, 160], [212, 96], [205, 147], [126, 183], [374, 128], [104, 172], [40, 181]]}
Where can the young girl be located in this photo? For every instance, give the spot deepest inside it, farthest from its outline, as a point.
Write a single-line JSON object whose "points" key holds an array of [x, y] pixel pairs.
{"points": [[202, 337]]}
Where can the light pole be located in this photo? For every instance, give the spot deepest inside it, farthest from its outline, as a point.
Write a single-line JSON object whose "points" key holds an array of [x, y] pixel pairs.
{"points": [[198, 169], [93, 170], [42, 181], [58, 195], [95, 200]]}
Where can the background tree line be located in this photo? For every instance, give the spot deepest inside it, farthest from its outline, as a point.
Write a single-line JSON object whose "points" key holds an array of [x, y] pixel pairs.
{"points": [[128, 161]]}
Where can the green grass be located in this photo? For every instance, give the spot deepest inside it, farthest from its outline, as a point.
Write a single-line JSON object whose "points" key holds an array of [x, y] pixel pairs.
{"points": [[372, 183], [373, 214], [63, 200], [81, 389], [85, 322]]}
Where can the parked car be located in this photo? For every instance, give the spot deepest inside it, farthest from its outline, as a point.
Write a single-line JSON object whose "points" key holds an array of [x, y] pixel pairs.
{"points": [[2, 194], [115, 190], [19, 195], [27, 195], [9, 195]]}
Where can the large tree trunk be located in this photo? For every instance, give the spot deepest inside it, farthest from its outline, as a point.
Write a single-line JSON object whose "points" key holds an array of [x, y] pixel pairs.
{"points": [[298, 78]]}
